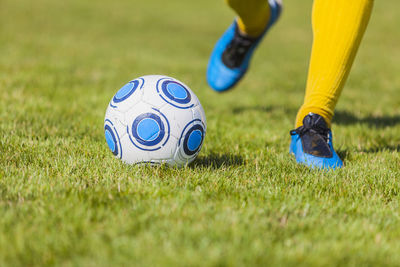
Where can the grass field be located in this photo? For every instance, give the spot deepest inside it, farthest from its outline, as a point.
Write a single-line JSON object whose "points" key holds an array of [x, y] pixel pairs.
{"points": [[64, 199]]}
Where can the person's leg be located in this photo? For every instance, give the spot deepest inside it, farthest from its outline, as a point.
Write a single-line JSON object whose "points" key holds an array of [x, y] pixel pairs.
{"points": [[231, 56], [253, 15], [338, 28]]}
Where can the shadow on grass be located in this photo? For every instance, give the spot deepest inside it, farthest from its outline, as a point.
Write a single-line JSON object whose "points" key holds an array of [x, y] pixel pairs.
{"points": [[347, 118], [243, 109], [383, 148], [257, 108], [343, 154], [340, 118], [218, 161]]}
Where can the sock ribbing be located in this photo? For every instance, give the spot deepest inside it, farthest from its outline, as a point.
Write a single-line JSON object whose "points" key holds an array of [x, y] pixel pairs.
{"points": [[338, 28]]}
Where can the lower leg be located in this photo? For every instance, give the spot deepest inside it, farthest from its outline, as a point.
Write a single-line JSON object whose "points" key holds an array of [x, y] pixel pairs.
{"points": [[338, 28], [253, 15]]}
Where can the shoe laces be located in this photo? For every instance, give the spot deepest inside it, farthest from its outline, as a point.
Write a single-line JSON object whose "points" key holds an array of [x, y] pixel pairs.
{"points": [[237, 49], [312, 125]]}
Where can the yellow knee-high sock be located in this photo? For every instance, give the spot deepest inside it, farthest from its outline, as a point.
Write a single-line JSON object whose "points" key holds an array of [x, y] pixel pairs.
{"points": [[253, 15], [338, 27]]}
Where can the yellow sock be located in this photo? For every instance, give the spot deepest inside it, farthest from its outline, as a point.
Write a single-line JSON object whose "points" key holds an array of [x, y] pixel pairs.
{"points": [[338, 27], [253, 15]]}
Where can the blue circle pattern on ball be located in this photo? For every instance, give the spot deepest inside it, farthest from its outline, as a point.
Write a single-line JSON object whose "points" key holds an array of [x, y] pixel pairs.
{"points": [[126, 91], [176, 92], [111, 140], [148, 129], [193, 140]]}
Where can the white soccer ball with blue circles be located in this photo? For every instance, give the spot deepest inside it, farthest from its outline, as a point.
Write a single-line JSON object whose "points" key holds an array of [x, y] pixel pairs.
{"points": [[155, 119]]}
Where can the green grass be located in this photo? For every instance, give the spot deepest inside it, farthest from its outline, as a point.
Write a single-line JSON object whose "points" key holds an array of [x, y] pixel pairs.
{"points": [[64, 200]]}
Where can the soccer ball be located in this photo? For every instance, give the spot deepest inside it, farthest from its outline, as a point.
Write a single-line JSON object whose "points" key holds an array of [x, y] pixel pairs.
{"points": [[155, 119]]}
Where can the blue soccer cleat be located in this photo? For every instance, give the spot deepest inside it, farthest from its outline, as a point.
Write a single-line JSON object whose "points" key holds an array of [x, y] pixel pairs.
{"points": [[232, 53], [312, 144]]}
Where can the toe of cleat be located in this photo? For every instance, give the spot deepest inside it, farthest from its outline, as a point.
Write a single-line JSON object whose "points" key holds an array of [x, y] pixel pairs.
{"points": [[312, 161]]}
